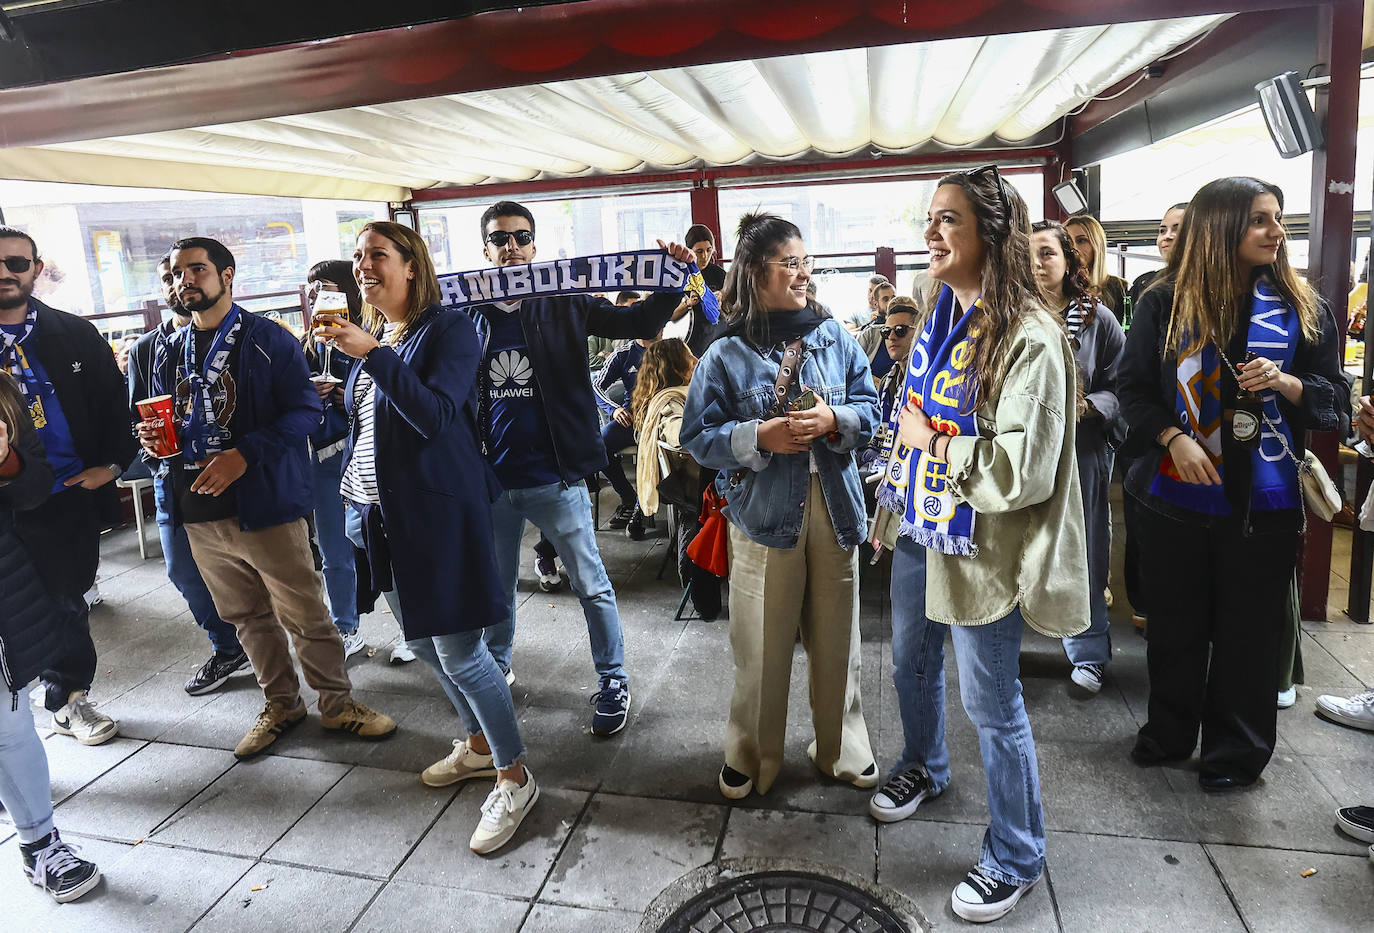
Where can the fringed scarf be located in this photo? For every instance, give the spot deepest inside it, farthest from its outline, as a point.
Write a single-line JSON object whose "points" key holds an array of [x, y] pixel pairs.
{"points": [[1275, 329], [916, 485]]}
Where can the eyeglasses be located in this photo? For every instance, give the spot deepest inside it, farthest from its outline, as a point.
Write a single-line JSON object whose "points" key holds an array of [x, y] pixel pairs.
{"points": [[1001, 185], [794, 264], [16, 264], [499, 238], [897, 330]]}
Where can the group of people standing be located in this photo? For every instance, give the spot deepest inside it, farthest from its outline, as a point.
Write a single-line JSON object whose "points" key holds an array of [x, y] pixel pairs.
{"points": [[988, 441]]}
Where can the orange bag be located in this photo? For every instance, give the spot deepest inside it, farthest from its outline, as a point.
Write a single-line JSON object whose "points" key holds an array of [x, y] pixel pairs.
{"points": [[709, 550]]}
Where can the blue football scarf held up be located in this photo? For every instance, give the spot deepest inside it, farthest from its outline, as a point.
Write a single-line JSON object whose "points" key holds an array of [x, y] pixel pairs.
{"points": [[648, 270], [938, 380], [1273, 333]]}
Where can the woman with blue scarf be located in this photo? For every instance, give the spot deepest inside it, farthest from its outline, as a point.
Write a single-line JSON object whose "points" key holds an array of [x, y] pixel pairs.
{"points": [[1228, 318], [991, 536]]}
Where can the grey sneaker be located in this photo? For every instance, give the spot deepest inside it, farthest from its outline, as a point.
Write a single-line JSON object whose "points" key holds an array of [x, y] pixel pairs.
{"points": [[353, 643], [80, 719]]}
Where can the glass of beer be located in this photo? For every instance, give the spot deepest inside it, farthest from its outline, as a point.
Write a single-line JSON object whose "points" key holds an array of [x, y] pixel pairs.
{"points": [[329, 300]]}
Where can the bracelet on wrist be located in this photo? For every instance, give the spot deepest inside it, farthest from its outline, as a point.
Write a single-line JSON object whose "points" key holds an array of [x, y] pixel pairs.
{"points": [[934, 439], [1169, 443]]}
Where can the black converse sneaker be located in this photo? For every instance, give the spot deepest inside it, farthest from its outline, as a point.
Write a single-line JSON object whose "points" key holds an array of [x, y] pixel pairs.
{"points": [[53, 865], [981, 899], [900, 796]]}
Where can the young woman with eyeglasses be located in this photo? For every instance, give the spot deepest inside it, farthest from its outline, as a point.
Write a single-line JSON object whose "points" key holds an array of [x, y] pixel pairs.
{"points": [[795, 504], [1091, 242], [1098, 342], [1227, 320], [991, 535]]}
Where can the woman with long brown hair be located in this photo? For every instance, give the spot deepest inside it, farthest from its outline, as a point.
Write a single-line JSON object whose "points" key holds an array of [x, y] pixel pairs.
{"points": [[1098, 341], [418, 486], [991, 535], [656, 407], [1229, 362]]}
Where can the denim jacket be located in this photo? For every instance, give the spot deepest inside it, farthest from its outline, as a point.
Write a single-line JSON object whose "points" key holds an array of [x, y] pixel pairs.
{"points": [[732, 394]]}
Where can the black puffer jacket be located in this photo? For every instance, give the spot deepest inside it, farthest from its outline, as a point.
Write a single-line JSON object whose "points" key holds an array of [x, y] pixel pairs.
{"points": [[29, 637]]}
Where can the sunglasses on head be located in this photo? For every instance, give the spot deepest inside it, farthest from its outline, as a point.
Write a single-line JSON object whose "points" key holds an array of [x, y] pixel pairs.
{"points": [[499, 238], [16, 264], [897, 330]]}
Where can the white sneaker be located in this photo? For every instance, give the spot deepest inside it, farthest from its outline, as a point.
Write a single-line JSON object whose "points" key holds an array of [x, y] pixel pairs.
{"points": [[1288, 697], [401, 653], [1088, 677], [1356, 711], [80, 720], [353, 643], [93, 597], [459, 765], [510, 677], [980, 899], [506, 808]]}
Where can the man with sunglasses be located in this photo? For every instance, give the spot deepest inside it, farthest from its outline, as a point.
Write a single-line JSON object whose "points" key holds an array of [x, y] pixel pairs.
{"points": [[75, 395], [539, 426], [870, 337]]}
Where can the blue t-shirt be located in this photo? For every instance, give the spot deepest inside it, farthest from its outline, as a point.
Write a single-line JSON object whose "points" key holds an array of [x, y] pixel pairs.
{"points": [[46, 412], [519, 444], [881, 361]]}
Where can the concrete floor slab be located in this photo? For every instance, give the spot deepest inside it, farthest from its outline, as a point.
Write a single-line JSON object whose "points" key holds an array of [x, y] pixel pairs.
{"points": [[552, 918], [627, 849], [403, 905], [846, 842], [519, 868], [336, 834], [73, 765], [1274, 896], [289, 900], [1153, 885], [154, 706], [252, 806], [132, 799]]}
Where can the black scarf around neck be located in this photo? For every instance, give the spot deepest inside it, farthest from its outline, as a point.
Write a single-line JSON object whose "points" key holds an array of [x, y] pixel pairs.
{"points": [[781, 326]]}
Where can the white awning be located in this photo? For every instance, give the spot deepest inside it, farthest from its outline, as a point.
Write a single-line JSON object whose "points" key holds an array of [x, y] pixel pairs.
{"points": [[981, 92]]}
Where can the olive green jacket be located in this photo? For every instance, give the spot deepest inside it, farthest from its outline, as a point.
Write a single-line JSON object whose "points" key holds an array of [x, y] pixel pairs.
{"points": [[1021, 477]]}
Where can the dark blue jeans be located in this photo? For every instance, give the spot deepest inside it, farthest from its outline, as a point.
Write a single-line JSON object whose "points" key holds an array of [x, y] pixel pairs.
{"points": [[185, 575]]}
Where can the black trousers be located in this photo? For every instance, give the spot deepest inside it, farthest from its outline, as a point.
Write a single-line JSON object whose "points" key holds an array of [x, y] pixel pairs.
{"points": [[1217, 609], [1135, 584], [616, 438], [73, 516], [705, 585]]}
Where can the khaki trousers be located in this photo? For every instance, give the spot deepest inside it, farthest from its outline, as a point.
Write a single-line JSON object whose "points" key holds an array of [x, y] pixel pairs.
{"points": [[264, 584], [775, 593]]}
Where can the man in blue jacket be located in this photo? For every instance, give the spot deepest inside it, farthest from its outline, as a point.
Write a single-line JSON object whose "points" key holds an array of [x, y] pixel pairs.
{"points": [[541, 434], [241, 487]]}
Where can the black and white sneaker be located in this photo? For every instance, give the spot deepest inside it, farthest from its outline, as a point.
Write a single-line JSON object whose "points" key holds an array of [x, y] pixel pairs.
{"points": [[53, 865], [612, 704], [900, 796], [1356, 822], [550, 581], [623, 513], [980, 899], [1087, 678], [214, 672]]}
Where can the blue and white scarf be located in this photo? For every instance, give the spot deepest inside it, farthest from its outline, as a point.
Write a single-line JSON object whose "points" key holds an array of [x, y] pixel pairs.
{"points": [[17, 365], [1275, 329], [938, 381], [201, 434]]}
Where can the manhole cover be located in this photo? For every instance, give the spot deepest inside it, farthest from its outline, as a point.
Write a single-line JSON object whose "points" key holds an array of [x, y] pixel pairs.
{"points": [[796, 902]]}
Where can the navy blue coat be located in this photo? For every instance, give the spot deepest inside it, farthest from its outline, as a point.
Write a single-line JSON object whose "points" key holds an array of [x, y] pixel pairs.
{"points": [[278, 407], [435, 486]]}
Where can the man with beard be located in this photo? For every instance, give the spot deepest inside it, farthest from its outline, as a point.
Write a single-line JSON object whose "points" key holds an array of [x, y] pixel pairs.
{"points": [[74, 393], [227, 657], [241, 488]]}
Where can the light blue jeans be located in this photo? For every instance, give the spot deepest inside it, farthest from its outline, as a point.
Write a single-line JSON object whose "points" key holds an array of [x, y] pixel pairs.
{"points": [[564, 515], [24, 788], [468, 674], [336, 550], [989, 684]]}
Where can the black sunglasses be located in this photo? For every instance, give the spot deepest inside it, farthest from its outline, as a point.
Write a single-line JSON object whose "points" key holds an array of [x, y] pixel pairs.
{"points": [[897, 330], [1001, 185], [16, 264], [500, 238]]}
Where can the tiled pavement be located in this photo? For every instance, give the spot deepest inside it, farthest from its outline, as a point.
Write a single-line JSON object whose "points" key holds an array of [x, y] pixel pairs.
{"points": [[330, 833]]}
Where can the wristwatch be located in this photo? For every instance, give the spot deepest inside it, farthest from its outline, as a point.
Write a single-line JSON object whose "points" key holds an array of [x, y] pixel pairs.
{"points": [[114, 470]]}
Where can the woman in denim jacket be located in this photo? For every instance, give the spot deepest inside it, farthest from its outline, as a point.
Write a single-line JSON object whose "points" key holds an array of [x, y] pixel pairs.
{"points": [[795, 507]]}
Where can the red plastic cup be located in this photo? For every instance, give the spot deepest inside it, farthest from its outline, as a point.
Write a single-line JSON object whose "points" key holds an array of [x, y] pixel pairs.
{"points": [[158, 409]]}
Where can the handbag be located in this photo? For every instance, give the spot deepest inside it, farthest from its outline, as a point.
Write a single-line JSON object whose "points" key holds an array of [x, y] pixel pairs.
{"points": [[710, 549], [682, 487]]}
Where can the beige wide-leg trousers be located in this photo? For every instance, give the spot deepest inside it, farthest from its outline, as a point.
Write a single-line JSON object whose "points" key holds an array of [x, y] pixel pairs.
{"points": [[774, 593]]}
